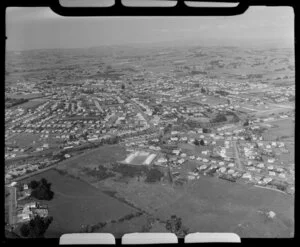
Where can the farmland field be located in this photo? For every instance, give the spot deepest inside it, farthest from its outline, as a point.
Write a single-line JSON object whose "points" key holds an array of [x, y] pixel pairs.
{"points": [[207, 204], [23, 96], [25, 139], [32, 103], [283, 129], [76, 202], [211, 100], [212, 205], [100, 156]]}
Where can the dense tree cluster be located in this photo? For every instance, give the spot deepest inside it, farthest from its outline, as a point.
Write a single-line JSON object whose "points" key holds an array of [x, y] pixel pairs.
{"points": [[206, 130], [10, 102], [174, 225], [101, 172], [219, 118], [168, 128], [246, 123], [197, 142], [41, 190], [221, 92], [129, 171], [36, 227], [154, 175], [147, 227]]}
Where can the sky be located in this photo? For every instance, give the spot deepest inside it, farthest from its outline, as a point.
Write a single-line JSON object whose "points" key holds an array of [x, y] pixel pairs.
{"points": [[40, 28]]}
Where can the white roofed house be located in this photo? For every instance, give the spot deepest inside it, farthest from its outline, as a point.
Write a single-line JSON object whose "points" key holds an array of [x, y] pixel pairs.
{"points": [[271, 173], [261, 165], [183, 155], [247, 175], [267, 180], [222, 169], [180, 161], [230, 171], [231, 165], [282, 175], [203, 167], [161, 160], [272, 160]]}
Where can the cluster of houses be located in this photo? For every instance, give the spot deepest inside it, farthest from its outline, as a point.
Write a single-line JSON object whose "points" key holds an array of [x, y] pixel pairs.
{"points": [[30, 210]]}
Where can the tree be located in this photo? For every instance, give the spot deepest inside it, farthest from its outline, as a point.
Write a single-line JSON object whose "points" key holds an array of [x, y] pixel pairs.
{"points": [[219, 118], [123, 87], [202, 143], [25, 230], [246, 123], [205, 130], [196, 142], [33, 184], [174, 225], [86, 229], [36, 228], [41, 190], [147, 227], [203, 90]]}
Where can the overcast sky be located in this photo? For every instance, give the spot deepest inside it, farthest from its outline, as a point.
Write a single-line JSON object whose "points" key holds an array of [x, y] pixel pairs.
{"points": [[38, 28]]}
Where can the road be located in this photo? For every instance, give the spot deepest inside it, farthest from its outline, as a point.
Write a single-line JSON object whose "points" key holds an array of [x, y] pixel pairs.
{"points": [[139, 109], [237, 157], [12, 205], [97, 105]]}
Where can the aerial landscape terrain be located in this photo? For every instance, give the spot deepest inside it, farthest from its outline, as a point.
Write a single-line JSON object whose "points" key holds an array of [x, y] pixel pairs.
{"points": [[128, 138]]}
